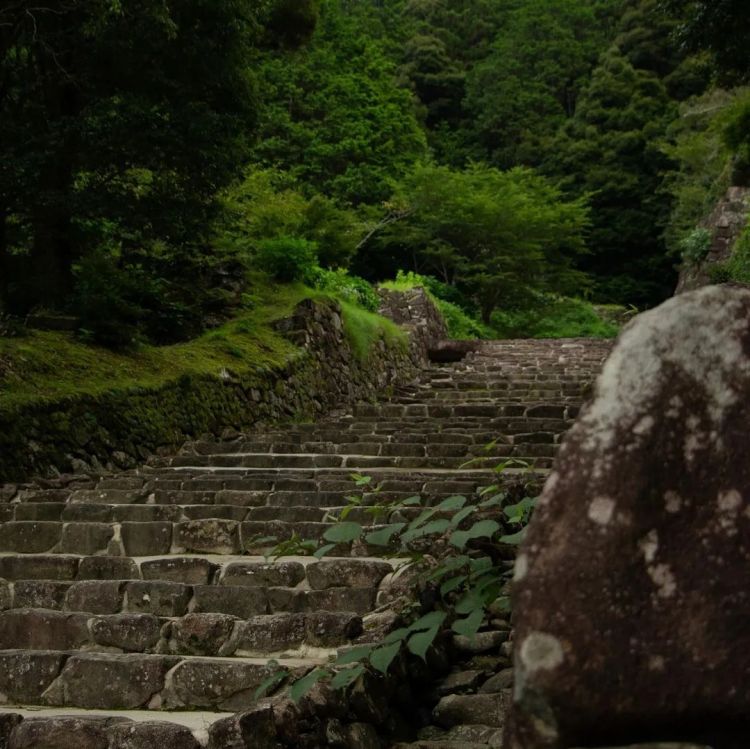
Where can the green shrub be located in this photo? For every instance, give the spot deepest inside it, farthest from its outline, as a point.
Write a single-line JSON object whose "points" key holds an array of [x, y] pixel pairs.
{"points": [[737, 268], [552, 317], [352, 289], [288, 259], [452, 304], [695, 246]]}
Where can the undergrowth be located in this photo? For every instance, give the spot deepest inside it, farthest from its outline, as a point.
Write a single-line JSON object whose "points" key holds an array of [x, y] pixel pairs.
{"points": [[47, 366], [461, 549], [544, 316]]}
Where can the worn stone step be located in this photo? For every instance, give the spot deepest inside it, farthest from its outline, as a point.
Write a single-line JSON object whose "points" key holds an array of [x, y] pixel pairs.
{"points": [[35, 727], [203, 634], [166, 598], [106, 681]]}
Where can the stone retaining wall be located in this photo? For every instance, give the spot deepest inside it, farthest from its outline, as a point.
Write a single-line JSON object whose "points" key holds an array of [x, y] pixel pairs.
{"points": [[120, 429]]}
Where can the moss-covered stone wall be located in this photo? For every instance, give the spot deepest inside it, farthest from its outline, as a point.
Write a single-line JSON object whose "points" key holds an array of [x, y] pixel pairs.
{"points": [[119, 429]]}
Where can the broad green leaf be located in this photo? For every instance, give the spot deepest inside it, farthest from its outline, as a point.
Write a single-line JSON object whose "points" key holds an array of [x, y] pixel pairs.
{"points": [[270, 683], [343, 533], [470, 602], [494, 501], [482, 529], [420, 642], [323, 550], [382, 658], [361, 480], [423, 517], [514, 539], [383, 536], [433, 619], [411, 501], [397, 635], [469, 626], [482, 564], [346, 676], [302, 686], [451, 504], [354, 655], [450, 585], [460, 516], [434, 526]]}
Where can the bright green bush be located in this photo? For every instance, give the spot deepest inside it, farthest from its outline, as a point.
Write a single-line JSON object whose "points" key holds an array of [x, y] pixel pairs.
{"points": [[348, 288], [737, 268], [287, 259], [695, 246], [552, 317]]}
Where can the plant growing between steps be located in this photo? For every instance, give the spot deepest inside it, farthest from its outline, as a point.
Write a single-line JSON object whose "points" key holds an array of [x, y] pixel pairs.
{"points": [[460, 550]]}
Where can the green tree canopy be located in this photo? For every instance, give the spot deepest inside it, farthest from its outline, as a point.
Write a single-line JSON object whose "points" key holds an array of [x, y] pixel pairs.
{"points": [[495, 234], [336, 117]]}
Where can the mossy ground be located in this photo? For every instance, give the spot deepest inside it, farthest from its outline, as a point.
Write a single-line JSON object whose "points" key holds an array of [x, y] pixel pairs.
{"points": [[46, 366]]}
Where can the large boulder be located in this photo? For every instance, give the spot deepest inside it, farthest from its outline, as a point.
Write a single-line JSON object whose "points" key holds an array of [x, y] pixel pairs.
{"points": [[632, 588]]}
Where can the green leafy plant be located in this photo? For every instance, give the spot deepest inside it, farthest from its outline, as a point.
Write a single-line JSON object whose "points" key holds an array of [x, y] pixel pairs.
{"points": [[460, 548], [287, 259], [695, 246]]}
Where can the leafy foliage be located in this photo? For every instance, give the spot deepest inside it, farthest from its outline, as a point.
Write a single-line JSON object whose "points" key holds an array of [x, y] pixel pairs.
{"points": [[493, 234], [458, 548]]}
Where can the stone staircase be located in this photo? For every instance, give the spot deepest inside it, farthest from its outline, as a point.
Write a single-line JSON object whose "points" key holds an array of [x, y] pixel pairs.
{"points": [[143, 601]]}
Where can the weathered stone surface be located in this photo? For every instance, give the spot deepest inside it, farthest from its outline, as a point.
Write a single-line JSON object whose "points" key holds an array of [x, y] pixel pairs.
{"points": [[39, 629], [40, 567], [24, 676], [94, 597], [357, 600], [482, 709], [152, 735], [8, 722], [637, 561], [29, 537], [217, 683], [109, 682], [63, 732], [499, 682], [482, 642], [240, 602], [263, 574], [86, 538], [189, 570], [137, 633], [6, 597], [254, 728], [213, 536], [325, 629], [39, 594], [347, 573], [459, 682], [108, 568], [202, 634], [158, 598], [272, 633], [146, 539]]}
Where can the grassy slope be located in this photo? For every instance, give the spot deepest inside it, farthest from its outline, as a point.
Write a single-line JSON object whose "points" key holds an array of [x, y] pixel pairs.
{"points": [[48, 366], [557, 317]]}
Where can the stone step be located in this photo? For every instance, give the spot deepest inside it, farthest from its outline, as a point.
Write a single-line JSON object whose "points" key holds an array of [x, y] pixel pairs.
{"points": [[129, 539], [169, 599], [403, 444], [34, 727], [398, 458], [135, 681], [236, 571], [278, 635]]}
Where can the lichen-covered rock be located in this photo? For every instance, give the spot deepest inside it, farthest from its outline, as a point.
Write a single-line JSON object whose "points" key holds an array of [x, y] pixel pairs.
{"points": [[632, 587]]}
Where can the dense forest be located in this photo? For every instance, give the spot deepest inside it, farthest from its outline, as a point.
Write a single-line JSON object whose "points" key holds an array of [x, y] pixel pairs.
{"points": [[160, 160]]}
